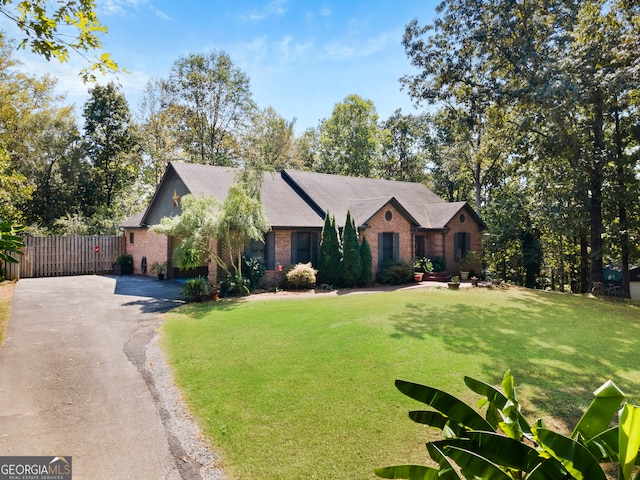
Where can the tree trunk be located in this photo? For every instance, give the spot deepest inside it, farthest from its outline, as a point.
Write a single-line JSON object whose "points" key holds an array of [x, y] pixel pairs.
{"points": [[622, 207], [595, 185]]}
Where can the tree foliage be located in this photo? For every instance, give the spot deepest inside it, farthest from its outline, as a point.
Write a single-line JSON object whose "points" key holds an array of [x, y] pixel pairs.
{"points": [[56, 30], [351, 264], [330, 254]]}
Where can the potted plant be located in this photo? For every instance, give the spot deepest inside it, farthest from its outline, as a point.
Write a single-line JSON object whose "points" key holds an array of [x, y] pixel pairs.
{"points": [[454, 283], [159, 269], [123, 265], [421, 265], [470, 262]]}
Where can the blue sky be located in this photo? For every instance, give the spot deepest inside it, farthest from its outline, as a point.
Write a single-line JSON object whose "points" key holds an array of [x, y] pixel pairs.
{"points": [[302, 56]]}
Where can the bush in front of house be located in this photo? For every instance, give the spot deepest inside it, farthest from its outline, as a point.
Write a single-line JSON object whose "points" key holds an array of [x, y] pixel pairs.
{"points": [[197, 289], [252, 271], [351, 264], [302, 275], [439, 264], [329, 258], [234, 285], [395, 273], [367, 263]]}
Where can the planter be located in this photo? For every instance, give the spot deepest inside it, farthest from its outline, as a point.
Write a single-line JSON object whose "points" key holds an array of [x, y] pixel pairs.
{"points": [[417, 276], [436, 277], [161, 276], [454, 286], [122, 269], [464, 275]]}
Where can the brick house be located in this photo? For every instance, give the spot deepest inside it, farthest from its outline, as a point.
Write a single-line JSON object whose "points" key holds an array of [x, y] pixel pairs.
{"points": [[401, 220]]}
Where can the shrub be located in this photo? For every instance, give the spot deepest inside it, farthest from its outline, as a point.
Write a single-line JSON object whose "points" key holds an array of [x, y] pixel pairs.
{"points": [[395, 273], [253, 271], [367, 262], [351, 264], [329, 258], [197, 289], [125, 260], [302, 275], [234, 285], [439, 264], [423, 264]]}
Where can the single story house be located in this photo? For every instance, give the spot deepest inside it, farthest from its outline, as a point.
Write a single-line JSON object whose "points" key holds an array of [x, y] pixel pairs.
{"points": [[401, 220]]}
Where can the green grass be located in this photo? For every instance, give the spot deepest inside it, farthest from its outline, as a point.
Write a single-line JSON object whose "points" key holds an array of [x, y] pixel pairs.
{"points": [[304, 388]]}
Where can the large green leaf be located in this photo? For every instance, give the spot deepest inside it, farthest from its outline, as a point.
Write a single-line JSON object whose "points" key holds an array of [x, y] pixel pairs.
{"points": [[445, 403], [514, 425], [605, 447], [504, 451], [574, 456], [597, 417], [548, 469], [447, 469], [437, 420], [471, 462], [409, 472], [629, 438]]}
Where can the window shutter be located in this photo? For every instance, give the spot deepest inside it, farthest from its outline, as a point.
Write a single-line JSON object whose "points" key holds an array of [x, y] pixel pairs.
{"points": [[467, 242], [294, 248], [380, 248], [314, 248], [396, 246], [271, 251], [457, 247]]}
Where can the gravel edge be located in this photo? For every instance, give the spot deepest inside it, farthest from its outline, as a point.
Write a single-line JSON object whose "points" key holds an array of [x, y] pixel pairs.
{"points": [[186, 440]]}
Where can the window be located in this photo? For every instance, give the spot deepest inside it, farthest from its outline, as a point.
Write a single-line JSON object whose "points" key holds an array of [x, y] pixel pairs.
{"points": [[304, 247], [131, 238], [263, 250], [462, 218], [388, 215], [421, 246], [388, 247], [461, 245]]}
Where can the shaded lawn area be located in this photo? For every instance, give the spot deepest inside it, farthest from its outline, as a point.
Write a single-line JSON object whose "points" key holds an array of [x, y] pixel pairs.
{"points": [[304, 388]]}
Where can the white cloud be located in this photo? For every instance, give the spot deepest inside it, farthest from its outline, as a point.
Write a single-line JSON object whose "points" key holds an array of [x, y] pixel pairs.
{"points": [[123, 8], [325, 11], [273, 8], [353, 47]]}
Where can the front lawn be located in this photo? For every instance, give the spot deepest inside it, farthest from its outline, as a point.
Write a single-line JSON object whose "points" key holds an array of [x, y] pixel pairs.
{"points": [[304, 388]]}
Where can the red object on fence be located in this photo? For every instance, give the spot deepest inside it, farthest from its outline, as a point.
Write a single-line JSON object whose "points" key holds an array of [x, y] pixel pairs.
{"points": [[96, 249]]}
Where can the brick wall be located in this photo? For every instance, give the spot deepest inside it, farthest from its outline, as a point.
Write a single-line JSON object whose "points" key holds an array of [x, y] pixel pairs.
{"points": [[397, 224], [455, 226], [146, 244]]}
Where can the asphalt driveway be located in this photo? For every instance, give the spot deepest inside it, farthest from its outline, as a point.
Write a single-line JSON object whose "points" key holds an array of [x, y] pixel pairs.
{"points": [[73, 379]]}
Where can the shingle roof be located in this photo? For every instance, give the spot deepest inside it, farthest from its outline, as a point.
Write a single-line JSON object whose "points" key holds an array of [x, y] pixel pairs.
{"points": [[282, 206], [336, 194], [299, 199]]}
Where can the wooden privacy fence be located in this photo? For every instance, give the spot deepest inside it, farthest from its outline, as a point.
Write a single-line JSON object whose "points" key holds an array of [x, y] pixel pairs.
{"points": [[72, 255]]}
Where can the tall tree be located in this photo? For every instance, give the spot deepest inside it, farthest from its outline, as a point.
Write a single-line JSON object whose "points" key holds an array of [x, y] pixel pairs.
{"points": [[549, 59], [405, 140], [269, 141], [111, 145], [210, 104], [349, 140], [351, 264], [329, 257]]}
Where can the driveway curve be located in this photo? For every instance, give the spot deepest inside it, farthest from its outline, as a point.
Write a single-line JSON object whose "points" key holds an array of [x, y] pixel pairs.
{"points": [[76, 379]]}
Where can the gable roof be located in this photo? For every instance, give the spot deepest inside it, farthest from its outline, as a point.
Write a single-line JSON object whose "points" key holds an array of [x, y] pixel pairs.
{"points": [[300, 199], [336, 194]]}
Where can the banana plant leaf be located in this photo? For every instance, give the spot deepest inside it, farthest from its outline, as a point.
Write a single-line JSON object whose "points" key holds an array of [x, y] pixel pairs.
{"points": [[447, 469], [605, 447], [629, 439], [548, 469], [500, 402], [445, 403], [409, 472], [472, 463], [439, 421], [597, 417], [574, 456], [504, 451]]}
